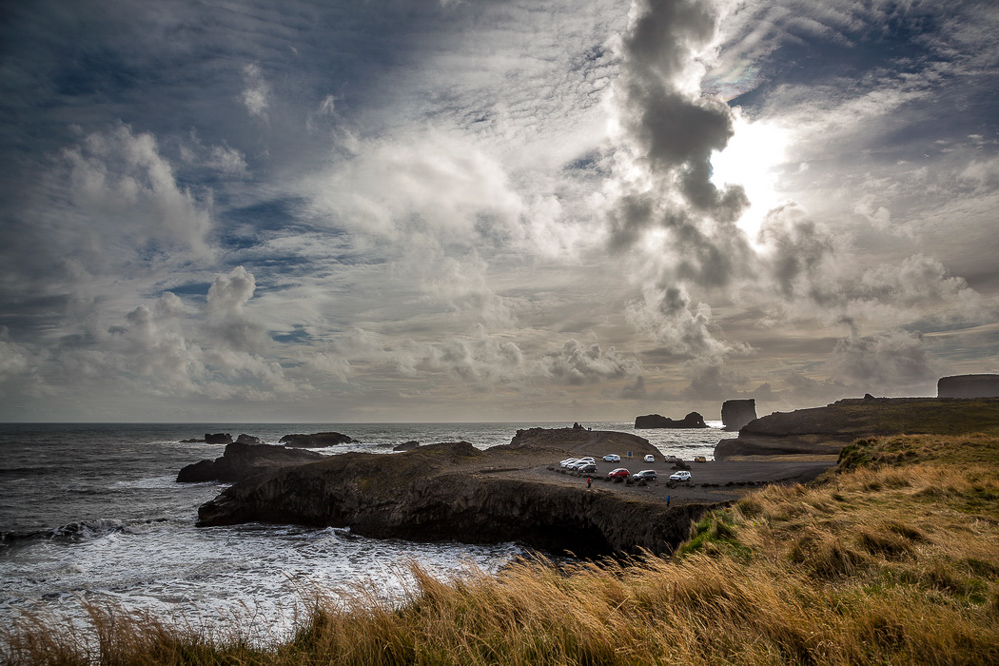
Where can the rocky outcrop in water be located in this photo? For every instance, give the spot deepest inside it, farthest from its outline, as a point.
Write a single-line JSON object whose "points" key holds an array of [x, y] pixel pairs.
{"points": [[249, 439], [241, 460], [406, 446], [443, 492], [691, 420], [209, 438], [968, 386], [737, 413], [317, 440]]}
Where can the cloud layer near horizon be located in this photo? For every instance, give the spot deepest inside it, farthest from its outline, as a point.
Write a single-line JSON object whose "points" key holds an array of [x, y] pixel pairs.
{"points": [[492, 211]]}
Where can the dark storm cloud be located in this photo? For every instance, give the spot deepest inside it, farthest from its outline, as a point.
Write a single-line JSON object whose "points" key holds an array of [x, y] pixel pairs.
{"points": [[674, 130]]}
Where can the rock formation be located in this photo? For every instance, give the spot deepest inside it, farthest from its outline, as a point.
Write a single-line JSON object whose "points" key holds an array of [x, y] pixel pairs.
{"points": [[691, 420], [242, 460], [209, 438], [825, 430], [451, 491], [737, 413], [968, 386], [580, 441], [249, 439], [317, 440], [406, 446]]}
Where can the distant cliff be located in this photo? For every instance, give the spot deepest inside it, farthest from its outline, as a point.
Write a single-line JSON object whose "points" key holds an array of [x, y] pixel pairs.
{"points": [[825, 430], [968, 386], [691, 420]]}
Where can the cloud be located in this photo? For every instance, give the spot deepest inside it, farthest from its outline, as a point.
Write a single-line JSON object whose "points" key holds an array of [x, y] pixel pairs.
{"points": [[256, 93], [227, 321], [892, 360], [125, 197], [668, 133]]}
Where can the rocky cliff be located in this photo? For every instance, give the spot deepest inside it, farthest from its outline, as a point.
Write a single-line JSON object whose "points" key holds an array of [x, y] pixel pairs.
{"points": [[737, 413], [453, 492], [968, 386], [691, 420], [825, 430]]}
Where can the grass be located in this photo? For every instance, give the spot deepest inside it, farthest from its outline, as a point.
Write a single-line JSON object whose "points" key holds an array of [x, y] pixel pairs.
{"points": [[891, 558]]}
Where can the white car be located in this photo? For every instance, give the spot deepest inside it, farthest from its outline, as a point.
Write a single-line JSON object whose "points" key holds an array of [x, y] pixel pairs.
{"points": [[682, 475], [588, 459], [650, 458], [567, 462], [612, 457]]}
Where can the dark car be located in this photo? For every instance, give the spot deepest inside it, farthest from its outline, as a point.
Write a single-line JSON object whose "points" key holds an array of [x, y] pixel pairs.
{"points": [[647, 474], [588, 468]]}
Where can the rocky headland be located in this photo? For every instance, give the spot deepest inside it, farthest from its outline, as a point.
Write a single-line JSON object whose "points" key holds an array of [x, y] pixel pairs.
{"points": [[691, 420], [825, 430], [453, 491]]}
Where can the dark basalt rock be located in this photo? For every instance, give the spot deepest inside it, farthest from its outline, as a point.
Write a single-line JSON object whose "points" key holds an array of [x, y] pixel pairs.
{"points": [[209, 438], [737, 413], [968, 386], [434, 493], [406, 446], [241, 460], [691, 420], [249, 439], [317, 440]]}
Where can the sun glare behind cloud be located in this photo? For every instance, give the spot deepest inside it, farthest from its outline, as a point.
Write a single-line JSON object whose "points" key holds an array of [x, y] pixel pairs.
{"points": [[751, 159]]}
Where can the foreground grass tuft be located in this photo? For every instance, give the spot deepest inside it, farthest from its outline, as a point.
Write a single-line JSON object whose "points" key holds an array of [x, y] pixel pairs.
{"points": [[893, 558]]}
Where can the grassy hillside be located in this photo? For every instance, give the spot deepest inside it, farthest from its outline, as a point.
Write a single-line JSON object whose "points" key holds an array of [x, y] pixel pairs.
{"points": [[892, 557]]}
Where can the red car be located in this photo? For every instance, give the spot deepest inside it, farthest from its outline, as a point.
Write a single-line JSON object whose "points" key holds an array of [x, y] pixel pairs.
{"points": [[619, 472]]}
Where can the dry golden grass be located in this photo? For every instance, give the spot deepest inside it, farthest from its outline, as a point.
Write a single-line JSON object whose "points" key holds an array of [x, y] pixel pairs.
{"points": [[893, 561]]}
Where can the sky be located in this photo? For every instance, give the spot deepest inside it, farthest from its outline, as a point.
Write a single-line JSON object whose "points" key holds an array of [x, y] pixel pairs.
{"points": [[492, 210]]}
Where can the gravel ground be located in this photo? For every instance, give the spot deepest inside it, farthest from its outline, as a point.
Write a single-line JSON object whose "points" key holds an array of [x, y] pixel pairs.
{"points": [[726, 480]]}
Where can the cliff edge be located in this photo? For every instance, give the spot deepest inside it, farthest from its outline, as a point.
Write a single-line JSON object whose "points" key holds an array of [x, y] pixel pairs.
{"points": [[825, 430]]}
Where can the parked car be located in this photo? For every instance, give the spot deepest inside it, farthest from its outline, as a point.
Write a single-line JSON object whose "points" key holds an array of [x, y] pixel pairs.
{"points": [[647, 474], [587, 459], [577, 464], [682, 475], [567, 462], [619, 472], [588, 468], [650, 458], [612, 457]]}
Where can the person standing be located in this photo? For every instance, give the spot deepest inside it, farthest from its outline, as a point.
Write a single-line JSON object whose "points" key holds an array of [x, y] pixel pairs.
{"points": [[667, 501], [588, 482]]}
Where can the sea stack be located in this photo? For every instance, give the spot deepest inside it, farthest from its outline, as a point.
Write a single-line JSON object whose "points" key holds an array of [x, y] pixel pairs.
{"points": [[737, 413]]}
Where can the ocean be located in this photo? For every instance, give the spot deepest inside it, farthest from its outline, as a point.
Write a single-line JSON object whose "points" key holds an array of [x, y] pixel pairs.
{"points": [[92, 514]]}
